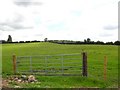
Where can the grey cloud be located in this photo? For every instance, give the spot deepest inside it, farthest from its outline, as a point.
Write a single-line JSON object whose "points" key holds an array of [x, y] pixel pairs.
{"points": [[105, 35], [21, 27], [110, 27], [18, 18], [14, 24], [26, 3], [5, 28]]}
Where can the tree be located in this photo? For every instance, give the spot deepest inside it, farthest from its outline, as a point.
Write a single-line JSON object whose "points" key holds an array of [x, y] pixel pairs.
{"points": [[9, 38], [109, 43], [117, 42], [85, 40], [46, 39], [100, 42], [88, 40]]}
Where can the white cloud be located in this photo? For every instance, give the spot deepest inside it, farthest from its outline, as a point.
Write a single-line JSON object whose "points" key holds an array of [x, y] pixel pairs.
{"points": [[69, 19]]}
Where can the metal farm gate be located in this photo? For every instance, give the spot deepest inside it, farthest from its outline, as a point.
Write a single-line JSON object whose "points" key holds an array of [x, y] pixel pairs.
{"points": [[62, 64]]}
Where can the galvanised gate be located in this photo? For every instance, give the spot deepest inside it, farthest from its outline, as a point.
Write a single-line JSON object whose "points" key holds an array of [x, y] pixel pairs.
{"points": [[62, 64]]}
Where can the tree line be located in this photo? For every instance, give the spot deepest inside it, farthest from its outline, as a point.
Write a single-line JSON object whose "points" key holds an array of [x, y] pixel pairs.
{"points": [[86, 41]]}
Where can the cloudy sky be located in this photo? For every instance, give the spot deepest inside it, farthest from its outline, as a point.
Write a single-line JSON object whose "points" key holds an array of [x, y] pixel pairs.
{"points": [[59, 19]]}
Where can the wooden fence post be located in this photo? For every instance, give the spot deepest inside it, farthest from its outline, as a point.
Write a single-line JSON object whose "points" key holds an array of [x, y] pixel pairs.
{"points": [[84, 68], [14, 64], [105, 68]]}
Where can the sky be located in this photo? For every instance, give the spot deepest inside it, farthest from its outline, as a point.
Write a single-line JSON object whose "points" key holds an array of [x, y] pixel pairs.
{"points": [[74, 20]]}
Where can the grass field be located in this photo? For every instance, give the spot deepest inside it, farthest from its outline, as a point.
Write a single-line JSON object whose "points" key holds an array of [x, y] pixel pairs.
{"points": [[95, 54]]}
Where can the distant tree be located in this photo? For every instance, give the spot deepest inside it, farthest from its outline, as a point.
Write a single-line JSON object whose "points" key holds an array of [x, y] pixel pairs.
{"points": [[109, 43], [21, 41], [88, 40], [46, 39], [27, 41], [85, 40], [34, 41], [16, 42], [9, 38], [3, 41], [100, 42], [117, 42]]}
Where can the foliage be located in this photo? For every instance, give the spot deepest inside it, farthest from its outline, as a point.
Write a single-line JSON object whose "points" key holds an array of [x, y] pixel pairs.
{"points": [[46, 39], [9, 38], [86, 41]]}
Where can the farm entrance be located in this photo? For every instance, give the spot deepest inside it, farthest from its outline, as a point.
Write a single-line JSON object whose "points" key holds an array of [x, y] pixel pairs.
{"points": [[63, 64]]}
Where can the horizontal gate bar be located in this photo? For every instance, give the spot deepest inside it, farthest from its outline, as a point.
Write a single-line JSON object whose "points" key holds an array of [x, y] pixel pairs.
{"points": [[49, 55]]}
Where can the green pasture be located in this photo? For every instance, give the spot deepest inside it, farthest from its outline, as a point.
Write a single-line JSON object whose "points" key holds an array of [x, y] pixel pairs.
{"points": [[95, 54]]}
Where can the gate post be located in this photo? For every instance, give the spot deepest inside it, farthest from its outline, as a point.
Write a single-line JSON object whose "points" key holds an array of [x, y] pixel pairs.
{"points": [[84, 68], [105, 68], [14, 64]]}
